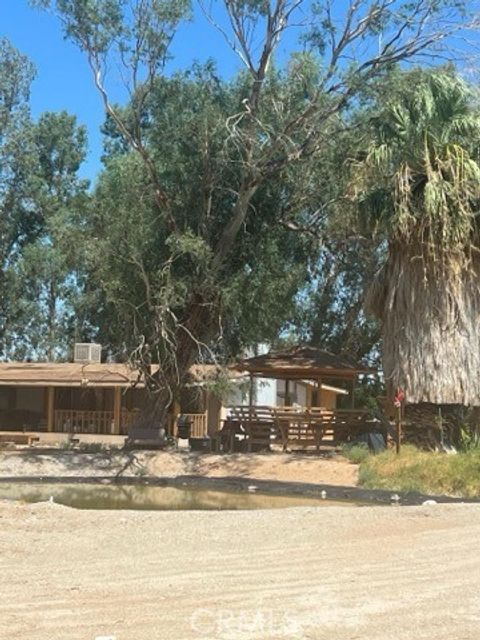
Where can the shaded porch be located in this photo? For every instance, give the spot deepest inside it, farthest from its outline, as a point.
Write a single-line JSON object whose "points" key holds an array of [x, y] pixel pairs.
{"points": [[69, 398]]}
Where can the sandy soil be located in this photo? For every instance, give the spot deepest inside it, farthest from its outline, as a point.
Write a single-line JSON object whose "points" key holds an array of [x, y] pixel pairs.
{"points": [[272, 466], [339, 573]]}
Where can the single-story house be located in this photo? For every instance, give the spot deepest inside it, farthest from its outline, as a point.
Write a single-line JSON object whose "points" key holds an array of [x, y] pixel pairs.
{"points": [[103, 398], [95, 398]]}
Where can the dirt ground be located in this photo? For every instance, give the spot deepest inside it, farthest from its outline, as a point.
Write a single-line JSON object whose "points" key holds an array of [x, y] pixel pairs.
{"points": [[329, 572], [271, 466]]}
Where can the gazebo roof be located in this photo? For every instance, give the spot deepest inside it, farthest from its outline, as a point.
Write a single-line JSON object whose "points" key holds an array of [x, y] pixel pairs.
{"points": [[303, 362]]}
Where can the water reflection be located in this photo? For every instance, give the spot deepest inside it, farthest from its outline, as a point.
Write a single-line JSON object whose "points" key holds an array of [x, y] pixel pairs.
{"points": [[138, 497]]}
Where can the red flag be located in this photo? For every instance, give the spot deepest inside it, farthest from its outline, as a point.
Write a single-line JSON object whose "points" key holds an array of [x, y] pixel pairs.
{"points": [[399, 398]]}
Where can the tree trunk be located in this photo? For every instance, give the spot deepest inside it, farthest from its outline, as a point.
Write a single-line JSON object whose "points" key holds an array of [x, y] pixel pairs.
{"points": [[429, 312], [173, 372], [51, 320], [154, 414]]}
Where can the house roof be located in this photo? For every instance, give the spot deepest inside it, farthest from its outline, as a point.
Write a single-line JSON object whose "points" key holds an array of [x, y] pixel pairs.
{"points": [[303, 362], [67, 374], [74, 374]]}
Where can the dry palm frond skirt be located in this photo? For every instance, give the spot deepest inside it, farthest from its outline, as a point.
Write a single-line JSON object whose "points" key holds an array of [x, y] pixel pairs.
{"points": [[430, 316]]}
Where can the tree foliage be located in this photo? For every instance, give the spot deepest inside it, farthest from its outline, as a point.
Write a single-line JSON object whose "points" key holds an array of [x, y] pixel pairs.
{"points": [[215, 192], [40, 200], [155, 269], [419, 176], [18, 221], [50, 270]]}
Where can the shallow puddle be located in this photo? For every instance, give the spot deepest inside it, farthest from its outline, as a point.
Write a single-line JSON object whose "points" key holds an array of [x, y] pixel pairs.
{"points": [[142, 497]]}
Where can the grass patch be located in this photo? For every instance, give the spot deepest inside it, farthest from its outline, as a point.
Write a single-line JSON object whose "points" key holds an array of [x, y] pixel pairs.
{"points": [[356, 453], [416, 470]]}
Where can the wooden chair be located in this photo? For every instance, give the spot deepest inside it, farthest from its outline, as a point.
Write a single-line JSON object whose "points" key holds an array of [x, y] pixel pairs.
{"points": [[230, 428], [258, 424]]}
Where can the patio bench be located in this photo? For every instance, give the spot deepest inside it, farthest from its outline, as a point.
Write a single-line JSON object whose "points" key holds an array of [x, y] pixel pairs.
{"points": [[256, 423], [145, 438]]}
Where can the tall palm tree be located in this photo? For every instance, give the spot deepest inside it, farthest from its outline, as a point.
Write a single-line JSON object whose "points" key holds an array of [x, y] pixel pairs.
{"points": [[418, 185]]}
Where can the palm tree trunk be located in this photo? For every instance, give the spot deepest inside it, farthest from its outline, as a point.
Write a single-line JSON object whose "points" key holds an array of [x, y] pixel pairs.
{"points": [[429, 311]]}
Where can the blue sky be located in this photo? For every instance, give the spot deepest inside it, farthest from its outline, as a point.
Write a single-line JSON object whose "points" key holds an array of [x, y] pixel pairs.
{"points": [[63, 79]]}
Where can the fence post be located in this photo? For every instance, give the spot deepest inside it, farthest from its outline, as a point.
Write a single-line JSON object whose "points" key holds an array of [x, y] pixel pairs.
{"points": [[51, 409]]}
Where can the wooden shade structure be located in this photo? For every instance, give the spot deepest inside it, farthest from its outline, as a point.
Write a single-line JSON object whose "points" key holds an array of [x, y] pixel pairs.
{"points": [[303, 363]]}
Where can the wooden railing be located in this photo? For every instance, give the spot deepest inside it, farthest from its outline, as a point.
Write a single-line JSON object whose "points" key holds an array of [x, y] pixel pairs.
{"points": [[101, 422], [299, 426], [199, 423]]}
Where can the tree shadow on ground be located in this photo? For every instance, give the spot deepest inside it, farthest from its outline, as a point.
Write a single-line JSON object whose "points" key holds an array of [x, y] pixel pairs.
{"points": [[110, 461], [243, 464]]}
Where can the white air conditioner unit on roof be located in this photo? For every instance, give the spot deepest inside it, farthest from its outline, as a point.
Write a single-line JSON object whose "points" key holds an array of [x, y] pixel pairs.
{"points": [[87, 352]]}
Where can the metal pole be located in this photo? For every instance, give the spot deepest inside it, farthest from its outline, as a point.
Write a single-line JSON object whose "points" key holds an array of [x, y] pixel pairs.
{"points": [[250, 412], [398, 430], [399, 402]]}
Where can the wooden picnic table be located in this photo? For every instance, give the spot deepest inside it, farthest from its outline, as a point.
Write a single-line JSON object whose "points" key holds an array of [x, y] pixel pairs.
{"points": [[256, 425], [297, 427]]}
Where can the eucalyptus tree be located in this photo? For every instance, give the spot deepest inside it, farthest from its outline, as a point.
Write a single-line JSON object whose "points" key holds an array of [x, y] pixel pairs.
{"points": [[330, 309], [49, 273], [416, 184], [19, 222], [139, 266], [277, 128], [40, 201]]}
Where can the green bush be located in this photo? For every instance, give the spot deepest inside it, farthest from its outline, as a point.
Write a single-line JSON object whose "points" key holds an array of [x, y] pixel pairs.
{"points": [[356, 453]]}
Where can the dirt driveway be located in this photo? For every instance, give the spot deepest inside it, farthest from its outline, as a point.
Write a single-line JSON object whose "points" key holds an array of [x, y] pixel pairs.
{"points": [[330, 572]]}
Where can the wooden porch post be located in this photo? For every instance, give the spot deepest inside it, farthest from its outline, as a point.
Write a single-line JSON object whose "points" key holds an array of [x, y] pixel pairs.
{"points": [[50, 409], [251, 391], [319, 392], [287, 393], [352, 402], [309, 396], [206, 404], [117, 409]]}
